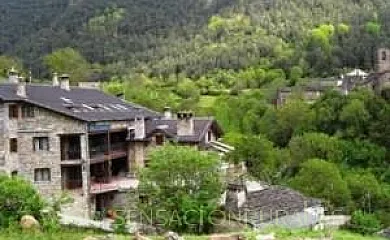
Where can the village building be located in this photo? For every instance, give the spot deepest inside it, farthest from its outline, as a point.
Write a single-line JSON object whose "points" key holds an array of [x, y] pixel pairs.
{"points": [[265, 206], [85, 142], [377, 81]]}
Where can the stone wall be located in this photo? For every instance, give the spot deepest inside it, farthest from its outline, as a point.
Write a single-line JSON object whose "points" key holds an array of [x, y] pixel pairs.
{"points": [[44, 124], [2, 139], [383, 60]]}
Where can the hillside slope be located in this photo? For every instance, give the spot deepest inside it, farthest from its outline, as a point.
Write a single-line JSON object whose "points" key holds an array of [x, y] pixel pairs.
{"points": [[104, 31], [171, 36]]}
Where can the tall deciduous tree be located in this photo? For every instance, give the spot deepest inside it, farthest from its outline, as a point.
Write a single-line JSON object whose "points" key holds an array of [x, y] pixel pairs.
{"points": [[263, 160], [322, 179], [281, 124], [68, 60], [183, 186]]}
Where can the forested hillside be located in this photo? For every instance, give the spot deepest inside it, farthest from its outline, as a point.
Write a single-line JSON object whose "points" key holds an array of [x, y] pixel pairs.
{"points": [[197, 36]]}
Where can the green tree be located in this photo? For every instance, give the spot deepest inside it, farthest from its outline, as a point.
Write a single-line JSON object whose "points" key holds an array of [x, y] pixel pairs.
{"points": [[263, 160], [321, 179], [314, 145], [281, 124], [327, 111], [363, 154], [7, 62], [184, 187], [380, 129], [68, 60], [373, 28], [355, 118], [365, 189], [296, 73]]}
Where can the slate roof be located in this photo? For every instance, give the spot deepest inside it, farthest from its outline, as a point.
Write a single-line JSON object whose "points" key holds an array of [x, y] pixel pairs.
{"points": [[83, 104], [264, 203], [275, 201], [169, 127]]}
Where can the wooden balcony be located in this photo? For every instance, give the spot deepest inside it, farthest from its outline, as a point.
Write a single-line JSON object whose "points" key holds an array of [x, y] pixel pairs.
{"points": [[71, 158], [103, 153], [113, 184]]}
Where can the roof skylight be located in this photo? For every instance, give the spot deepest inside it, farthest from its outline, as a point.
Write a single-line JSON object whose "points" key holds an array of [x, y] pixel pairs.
{"points": [[66, 100], [88, 107]]}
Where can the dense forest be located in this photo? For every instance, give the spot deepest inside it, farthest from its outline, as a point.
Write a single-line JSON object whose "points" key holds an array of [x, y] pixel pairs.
{"points": [[196, 37], [227, 58]]}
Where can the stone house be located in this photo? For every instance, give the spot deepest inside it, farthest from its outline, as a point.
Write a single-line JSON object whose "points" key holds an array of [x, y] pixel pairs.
{"points": [[263, 206], [87, 143], [376, 81]]}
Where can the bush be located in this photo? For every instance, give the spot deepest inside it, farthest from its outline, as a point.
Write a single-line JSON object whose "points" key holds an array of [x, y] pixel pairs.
{"points": [[18, 198], [120, 225], [364, 223]]}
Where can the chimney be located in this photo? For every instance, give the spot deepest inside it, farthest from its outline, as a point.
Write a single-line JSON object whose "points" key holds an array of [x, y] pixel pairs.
{"points": [[21, 90], [13, 75], [139, 128], [64, 82], [235, 196], [167, 113], [56, 83], [185, 124]]}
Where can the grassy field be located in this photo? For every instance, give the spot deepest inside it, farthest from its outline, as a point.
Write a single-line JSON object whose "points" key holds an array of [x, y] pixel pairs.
{"points": [[79, 235]]}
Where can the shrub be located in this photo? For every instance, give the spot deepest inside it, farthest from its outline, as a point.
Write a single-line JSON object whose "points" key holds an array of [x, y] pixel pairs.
{"points": [[364, 223], [120, 225], [18, 198]]}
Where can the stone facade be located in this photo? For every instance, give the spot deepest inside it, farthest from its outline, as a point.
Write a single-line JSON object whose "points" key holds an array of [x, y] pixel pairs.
{"points": [[383, 60], [25, 161]]}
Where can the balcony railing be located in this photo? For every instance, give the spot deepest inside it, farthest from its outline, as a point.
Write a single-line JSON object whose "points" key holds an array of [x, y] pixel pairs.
{"points": [[102, 152], [98, 150], [72, 155], [113, 184], [121, 146]]}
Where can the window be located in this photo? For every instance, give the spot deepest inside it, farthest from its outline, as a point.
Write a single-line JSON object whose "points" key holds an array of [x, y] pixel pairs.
{"points": [[42, 175], [13, 144], [159, 139], [28, 111], [131, 134], [41, 144], [384, 56], [13, 111]]}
